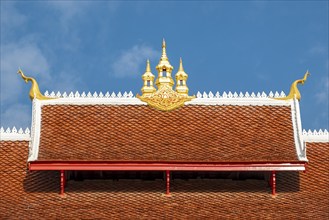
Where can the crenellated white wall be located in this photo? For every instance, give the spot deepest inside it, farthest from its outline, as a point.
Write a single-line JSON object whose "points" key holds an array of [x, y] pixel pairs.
{"points": [[15, 135], [316, 136]]}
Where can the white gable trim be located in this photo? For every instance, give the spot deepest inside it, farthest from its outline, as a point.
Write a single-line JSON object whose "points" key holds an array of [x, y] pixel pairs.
{"points": [[297, 129], [35, 131]]}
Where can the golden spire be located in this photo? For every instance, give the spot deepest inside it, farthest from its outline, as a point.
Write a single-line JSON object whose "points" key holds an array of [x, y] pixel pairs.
{"points": [[164, 53], [148, 79], [181, 68], [165, 98], [164, 69], [294, 92], [181, 78], [148, 66], [34, 91]]}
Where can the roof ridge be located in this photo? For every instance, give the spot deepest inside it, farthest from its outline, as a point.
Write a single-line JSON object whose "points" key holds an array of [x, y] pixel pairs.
{"points": [[129, 94]]}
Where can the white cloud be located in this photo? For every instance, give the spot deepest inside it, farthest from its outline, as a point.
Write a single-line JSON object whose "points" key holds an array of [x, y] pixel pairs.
{"points": [[30, 58], [25, 52], [17, 115], [132, 61], [33, 62]]}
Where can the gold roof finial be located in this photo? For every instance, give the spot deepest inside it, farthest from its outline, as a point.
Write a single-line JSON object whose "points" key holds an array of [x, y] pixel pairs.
{"points": [[148, 79], [181, 68], [294, 92], [164, 61], [164, 69], [164, 52], [34, 91], [181, 78], [148, 72], [148, 66]]}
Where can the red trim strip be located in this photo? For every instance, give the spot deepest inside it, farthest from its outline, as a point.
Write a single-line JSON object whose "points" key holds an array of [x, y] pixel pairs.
{"points": [[162, 162], [114, 166]]}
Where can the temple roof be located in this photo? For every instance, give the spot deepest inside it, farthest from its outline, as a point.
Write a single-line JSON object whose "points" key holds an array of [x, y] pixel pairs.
{"points": [[168, 125], [203, 130]]}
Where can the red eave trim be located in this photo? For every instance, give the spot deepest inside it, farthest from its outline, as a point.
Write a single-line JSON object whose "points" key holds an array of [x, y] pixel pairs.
{"points": [[161, 166]]}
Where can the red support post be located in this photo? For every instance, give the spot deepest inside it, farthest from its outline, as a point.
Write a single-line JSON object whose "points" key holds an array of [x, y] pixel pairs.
{"points": [[62, 182], [273, 183], [64, 179], [167, 182]]}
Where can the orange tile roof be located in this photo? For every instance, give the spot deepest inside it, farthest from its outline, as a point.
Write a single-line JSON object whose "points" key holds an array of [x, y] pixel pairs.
{"points": [[199, 133], [34, 195]]}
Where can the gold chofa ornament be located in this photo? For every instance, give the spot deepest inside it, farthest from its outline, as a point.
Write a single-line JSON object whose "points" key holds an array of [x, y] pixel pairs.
{"points": [[34, 91], [294, 92], [165, 98]]}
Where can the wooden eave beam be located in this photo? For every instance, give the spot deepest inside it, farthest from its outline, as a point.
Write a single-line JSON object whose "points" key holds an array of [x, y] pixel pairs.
{"points": [[126, 166]]}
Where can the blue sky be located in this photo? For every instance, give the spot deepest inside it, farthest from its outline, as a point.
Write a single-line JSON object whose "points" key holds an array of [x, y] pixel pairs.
{"points": [[98, 46]]}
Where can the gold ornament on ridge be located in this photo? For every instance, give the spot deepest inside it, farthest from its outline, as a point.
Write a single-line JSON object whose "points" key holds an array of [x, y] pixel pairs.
{"points": [[181, 78], [34, 91], [294, 92], [165, 98], [148, 79]]}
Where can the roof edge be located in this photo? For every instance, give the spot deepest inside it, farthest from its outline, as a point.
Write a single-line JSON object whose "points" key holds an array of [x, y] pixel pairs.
{"points": [[297, 129], [35, 130], [108, 95], [197, 101]]}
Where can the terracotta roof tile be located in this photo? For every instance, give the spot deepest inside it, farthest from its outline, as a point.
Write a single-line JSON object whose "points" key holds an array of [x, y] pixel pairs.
{"points": [[191, 133], [34, 195]]}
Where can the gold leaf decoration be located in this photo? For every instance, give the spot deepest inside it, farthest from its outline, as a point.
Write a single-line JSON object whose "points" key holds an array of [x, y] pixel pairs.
{"points": [[165, 99]]}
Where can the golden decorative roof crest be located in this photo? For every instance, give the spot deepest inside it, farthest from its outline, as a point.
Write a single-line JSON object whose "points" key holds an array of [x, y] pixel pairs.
{"points": [[34, 91], [165, 98], [294, 92]]}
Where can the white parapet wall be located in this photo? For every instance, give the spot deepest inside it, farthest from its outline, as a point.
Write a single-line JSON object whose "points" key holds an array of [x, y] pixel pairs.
{"points": [[14, 134], [316, 136]]}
